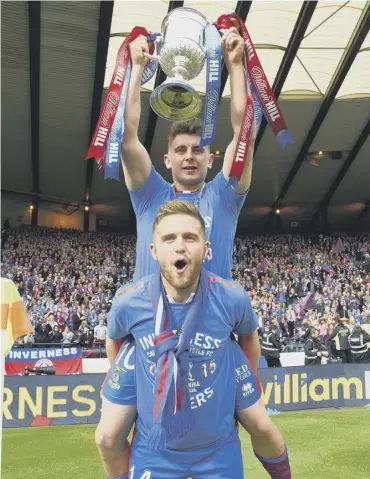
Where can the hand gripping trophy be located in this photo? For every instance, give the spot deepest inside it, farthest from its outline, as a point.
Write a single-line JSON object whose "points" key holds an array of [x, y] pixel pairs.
{"points": [[186, 43]]}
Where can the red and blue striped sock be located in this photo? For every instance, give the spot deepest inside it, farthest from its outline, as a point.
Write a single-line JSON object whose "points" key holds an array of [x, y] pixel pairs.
{"points": [[278, 467]]}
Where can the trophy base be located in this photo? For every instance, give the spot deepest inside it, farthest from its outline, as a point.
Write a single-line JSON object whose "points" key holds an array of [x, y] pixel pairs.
{"points": [[175, 100]]}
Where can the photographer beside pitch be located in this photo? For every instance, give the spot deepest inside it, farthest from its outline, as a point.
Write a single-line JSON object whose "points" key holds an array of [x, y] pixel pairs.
{"points": [[218, 204], [185, 424]]}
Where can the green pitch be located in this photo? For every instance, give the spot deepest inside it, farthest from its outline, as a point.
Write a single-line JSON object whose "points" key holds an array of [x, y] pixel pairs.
{"points": [[322, 445]]}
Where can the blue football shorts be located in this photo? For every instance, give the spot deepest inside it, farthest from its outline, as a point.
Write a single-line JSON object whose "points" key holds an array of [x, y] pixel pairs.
{"points": [[220, 461], [119, 386]]}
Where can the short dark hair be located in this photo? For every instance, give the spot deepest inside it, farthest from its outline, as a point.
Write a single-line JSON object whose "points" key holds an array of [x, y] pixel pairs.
{"points": [[189, 127], [357, 329]]}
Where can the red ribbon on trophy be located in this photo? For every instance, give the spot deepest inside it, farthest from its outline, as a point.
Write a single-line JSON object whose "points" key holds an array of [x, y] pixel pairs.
{"points": [[265, 95], [112, 98], [242, 145]]}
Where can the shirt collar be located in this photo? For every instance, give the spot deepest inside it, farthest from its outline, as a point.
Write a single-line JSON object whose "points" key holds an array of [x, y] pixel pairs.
{"points": [[189, 300]]}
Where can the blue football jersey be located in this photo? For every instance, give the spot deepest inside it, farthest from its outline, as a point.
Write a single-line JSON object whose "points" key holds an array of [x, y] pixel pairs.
{"points": [[218, 204], [211, 379]]}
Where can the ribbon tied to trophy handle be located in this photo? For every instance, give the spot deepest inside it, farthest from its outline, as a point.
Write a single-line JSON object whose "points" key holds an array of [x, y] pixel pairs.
{"points": [[224, 22], [107, 138], [154, 41], [260, 100]]}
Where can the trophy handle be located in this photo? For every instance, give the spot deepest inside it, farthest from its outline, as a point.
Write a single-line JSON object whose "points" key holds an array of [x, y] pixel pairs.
{"points": [[158, 39]]}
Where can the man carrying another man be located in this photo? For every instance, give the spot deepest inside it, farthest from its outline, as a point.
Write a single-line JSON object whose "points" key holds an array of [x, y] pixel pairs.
{"points": [[218, 204], [190, 375]]}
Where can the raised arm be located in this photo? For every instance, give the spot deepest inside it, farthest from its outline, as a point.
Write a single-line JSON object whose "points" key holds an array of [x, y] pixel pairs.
{"points": [[332, 335], [135, 160], [233, 49]]}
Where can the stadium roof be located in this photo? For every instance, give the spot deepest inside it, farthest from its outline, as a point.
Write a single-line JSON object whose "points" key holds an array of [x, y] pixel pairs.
{"points": [[57, 57]]}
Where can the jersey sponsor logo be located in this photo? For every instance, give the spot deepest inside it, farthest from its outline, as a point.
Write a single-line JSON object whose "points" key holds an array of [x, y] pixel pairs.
{"points": [[201, 398], [193, 384], [242, 373], [147, 342], [114, 381], [201, 345], [247, 389], [201, 352], [206, 342], [207, 369]]}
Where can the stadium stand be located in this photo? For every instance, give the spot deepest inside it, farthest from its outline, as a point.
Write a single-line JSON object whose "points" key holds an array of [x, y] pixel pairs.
{"points": [[68, 278]]}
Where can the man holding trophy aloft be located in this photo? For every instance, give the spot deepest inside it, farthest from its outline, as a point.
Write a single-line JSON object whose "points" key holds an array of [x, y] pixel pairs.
{"points": [[219, 203]]}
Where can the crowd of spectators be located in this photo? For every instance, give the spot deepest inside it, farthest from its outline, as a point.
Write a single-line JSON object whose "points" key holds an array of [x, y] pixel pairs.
{"points": [[295, 281], [68, 279]]}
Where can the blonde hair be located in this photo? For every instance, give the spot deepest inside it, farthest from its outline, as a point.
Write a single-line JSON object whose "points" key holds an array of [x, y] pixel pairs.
{"points": [[177, 207]]}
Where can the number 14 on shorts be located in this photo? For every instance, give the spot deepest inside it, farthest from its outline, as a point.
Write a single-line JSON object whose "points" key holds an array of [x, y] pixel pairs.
{"points": [[145, 475]]}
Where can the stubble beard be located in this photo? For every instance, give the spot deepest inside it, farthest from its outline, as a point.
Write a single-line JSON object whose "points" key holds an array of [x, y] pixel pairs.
{"points": [[184, 281]]}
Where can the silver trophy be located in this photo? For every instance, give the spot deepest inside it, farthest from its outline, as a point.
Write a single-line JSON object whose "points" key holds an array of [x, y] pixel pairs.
{"points": [[181, 56]]}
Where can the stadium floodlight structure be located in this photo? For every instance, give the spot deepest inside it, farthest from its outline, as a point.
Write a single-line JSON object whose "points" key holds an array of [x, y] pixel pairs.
{"points": [[324, 203], [343, 68]]}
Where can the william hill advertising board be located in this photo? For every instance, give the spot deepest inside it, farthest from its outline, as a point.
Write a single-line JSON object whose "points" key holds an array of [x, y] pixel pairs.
{"points": [[73, 399]]}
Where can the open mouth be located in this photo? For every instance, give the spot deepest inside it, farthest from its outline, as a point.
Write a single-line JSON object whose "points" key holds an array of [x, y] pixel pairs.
{"points": [[190, 168], [180, 265]]}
